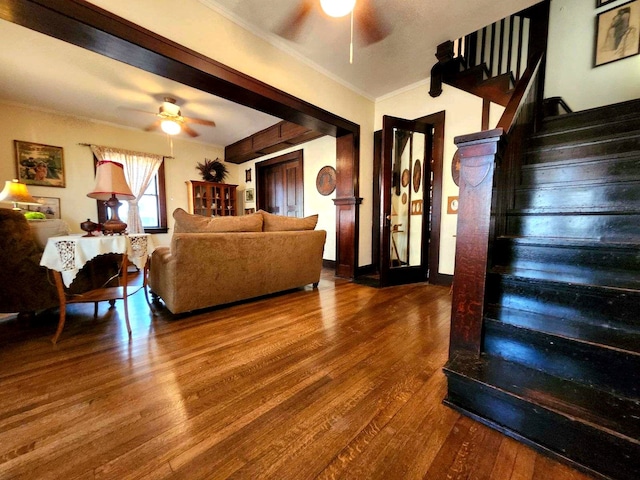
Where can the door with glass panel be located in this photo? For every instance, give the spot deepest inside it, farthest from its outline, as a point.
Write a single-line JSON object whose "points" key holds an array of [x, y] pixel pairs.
{"points": [[405, 201]]}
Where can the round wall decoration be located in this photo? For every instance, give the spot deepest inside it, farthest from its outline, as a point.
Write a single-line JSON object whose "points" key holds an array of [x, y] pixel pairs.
{"points": [[455, 168], [417, 175], [404, 198], [326, 180], [406, 176]]}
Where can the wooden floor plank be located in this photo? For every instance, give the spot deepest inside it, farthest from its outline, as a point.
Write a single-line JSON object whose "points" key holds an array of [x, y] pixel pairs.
{"points": [[344, 381]]}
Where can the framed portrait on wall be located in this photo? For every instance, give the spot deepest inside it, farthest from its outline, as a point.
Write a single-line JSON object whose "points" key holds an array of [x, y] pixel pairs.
{"points": [[38, 164], [617, 33]]}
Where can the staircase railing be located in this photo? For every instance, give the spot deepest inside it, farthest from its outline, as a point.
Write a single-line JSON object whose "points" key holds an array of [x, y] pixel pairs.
{"points": [[508, 46], [490, 164]]}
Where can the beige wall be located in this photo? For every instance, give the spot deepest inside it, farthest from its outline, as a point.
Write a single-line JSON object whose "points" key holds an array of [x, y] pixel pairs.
{"points": [[200, 28], [570, 72], [20, 123], [316, 154]]}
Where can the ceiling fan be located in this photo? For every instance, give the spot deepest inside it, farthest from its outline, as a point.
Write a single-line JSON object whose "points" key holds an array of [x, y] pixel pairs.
{"points": [[368, 23], [171, 121]]}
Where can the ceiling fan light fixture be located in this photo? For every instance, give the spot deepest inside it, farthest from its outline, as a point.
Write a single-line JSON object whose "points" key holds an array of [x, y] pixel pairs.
{"points": [[170, 127], [337, 8]]}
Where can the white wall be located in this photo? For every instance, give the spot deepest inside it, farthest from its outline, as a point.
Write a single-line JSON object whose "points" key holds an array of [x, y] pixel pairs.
{"points": [[463, 115], [316, 154], [22, 123], [202, 29], [570, 72]]}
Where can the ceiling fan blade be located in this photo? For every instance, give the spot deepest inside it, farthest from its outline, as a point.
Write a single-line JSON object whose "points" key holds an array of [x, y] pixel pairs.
{"points": [[154, 126], [189, 131], [199, 121], [290, 28], [369, 23]]}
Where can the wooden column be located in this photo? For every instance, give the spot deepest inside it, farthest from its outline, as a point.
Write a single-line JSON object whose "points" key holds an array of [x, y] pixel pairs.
{"points": [[477, 165], [347, 205]]}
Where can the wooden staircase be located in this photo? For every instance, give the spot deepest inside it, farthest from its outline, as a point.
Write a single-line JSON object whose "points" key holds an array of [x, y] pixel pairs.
{"points": [[559, 362]]}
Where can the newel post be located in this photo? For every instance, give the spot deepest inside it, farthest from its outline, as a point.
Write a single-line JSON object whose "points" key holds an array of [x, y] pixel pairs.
{"points": [[478, 156]]}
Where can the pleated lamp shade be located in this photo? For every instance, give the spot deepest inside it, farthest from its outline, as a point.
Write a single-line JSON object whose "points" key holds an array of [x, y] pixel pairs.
{"points": [[110, 182], [16, 192]]}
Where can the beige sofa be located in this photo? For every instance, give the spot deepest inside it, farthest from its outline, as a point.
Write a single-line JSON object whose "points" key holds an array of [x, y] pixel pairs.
{"points": [[213, 261]]}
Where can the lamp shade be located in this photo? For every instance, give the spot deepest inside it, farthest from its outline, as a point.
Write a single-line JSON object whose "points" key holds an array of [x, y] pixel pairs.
{"points": [[110, 182], [16, 192]]}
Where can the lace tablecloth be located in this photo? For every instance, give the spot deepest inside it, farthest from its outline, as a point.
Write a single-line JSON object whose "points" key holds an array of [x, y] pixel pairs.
{"points": [[68, 254]]}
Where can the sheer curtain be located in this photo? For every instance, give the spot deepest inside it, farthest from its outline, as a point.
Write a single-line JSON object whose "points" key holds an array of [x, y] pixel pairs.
{"points": [[139, 169]]}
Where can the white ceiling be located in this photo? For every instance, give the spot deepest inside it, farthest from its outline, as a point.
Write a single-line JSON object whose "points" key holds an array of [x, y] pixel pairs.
{"points": [[52, 75], [403, 58]]}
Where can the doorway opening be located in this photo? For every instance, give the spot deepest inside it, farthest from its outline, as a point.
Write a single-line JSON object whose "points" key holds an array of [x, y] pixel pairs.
{"points": [[280, 184]]}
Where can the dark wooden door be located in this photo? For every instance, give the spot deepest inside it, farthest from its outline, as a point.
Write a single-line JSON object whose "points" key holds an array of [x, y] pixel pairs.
{"points": [[280, 185], [405, 203]]}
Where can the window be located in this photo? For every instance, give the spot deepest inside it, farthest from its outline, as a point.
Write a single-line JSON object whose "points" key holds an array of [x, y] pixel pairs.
{"points": [[152, 205]]}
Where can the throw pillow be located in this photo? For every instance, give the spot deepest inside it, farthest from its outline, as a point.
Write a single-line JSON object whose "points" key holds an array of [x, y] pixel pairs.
{"points": [[187, 223], [280, 223]]}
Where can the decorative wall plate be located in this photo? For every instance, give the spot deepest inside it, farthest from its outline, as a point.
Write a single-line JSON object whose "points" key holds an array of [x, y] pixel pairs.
{"points": [[326, 180], [404, 197], [455, 168], [417, 175], [406, 176]]}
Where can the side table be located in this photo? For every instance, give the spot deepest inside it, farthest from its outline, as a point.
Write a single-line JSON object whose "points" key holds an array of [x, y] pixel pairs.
{"points": [[66, 255]]}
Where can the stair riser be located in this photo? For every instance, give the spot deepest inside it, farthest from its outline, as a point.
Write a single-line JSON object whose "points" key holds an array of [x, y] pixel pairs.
{"points": [[591, 365], [545, 429], [609, 169], [613, 228], [559, 137], [614, 309], [600, 197], [566, 259], [595, 149]]}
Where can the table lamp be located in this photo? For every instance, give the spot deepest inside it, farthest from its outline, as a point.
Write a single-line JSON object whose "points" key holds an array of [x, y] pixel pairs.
{"points": [[111, 186], [16, 192]]}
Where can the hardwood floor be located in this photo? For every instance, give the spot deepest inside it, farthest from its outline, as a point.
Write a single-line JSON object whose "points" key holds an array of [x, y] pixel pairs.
{"points": [[341, 382]]}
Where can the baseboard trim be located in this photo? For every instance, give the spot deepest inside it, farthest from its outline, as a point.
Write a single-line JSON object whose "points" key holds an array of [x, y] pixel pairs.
{"points": [[441, 279], [365, 270], [330, 264]]}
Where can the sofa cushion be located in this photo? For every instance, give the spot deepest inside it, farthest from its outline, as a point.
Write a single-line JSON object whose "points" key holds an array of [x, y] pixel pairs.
{"points": [[187, 223], [280, 223]]}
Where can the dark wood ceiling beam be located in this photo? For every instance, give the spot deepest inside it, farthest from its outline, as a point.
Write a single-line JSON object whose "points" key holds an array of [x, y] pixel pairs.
{"points": [[90, 27]]}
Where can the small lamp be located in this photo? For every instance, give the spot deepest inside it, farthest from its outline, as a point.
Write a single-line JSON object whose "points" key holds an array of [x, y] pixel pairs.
{"points": [[16, 192], [111, 186]]}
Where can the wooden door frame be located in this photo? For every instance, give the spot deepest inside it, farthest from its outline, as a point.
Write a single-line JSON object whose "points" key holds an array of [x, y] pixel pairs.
{"points": [[286, 158], [93, 28], [438, 122]]}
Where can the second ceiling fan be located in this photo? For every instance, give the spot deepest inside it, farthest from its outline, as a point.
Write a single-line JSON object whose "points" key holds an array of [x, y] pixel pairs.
{"points": [[171, 121]]}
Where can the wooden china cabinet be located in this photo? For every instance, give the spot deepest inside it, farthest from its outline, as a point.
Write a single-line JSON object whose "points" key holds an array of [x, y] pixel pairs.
{"points": [[212, 199]]}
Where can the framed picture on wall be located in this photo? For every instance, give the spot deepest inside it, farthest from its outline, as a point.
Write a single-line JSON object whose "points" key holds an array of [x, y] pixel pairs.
{"points": [[602, 3], [50, 206], [617, 33], [38, 164], [248, 195]]}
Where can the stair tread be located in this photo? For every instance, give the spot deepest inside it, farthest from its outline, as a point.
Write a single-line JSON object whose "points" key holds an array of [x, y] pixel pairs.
{"points": [[578, 242], [592, 116], [592, 140], [611, 279], [627, 121], [569, 327], [617, 416], [608, 157]]}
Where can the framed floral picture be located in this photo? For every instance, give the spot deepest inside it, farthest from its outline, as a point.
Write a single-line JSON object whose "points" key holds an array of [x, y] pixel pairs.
{"points": [[617, 33], [38, 164]]}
